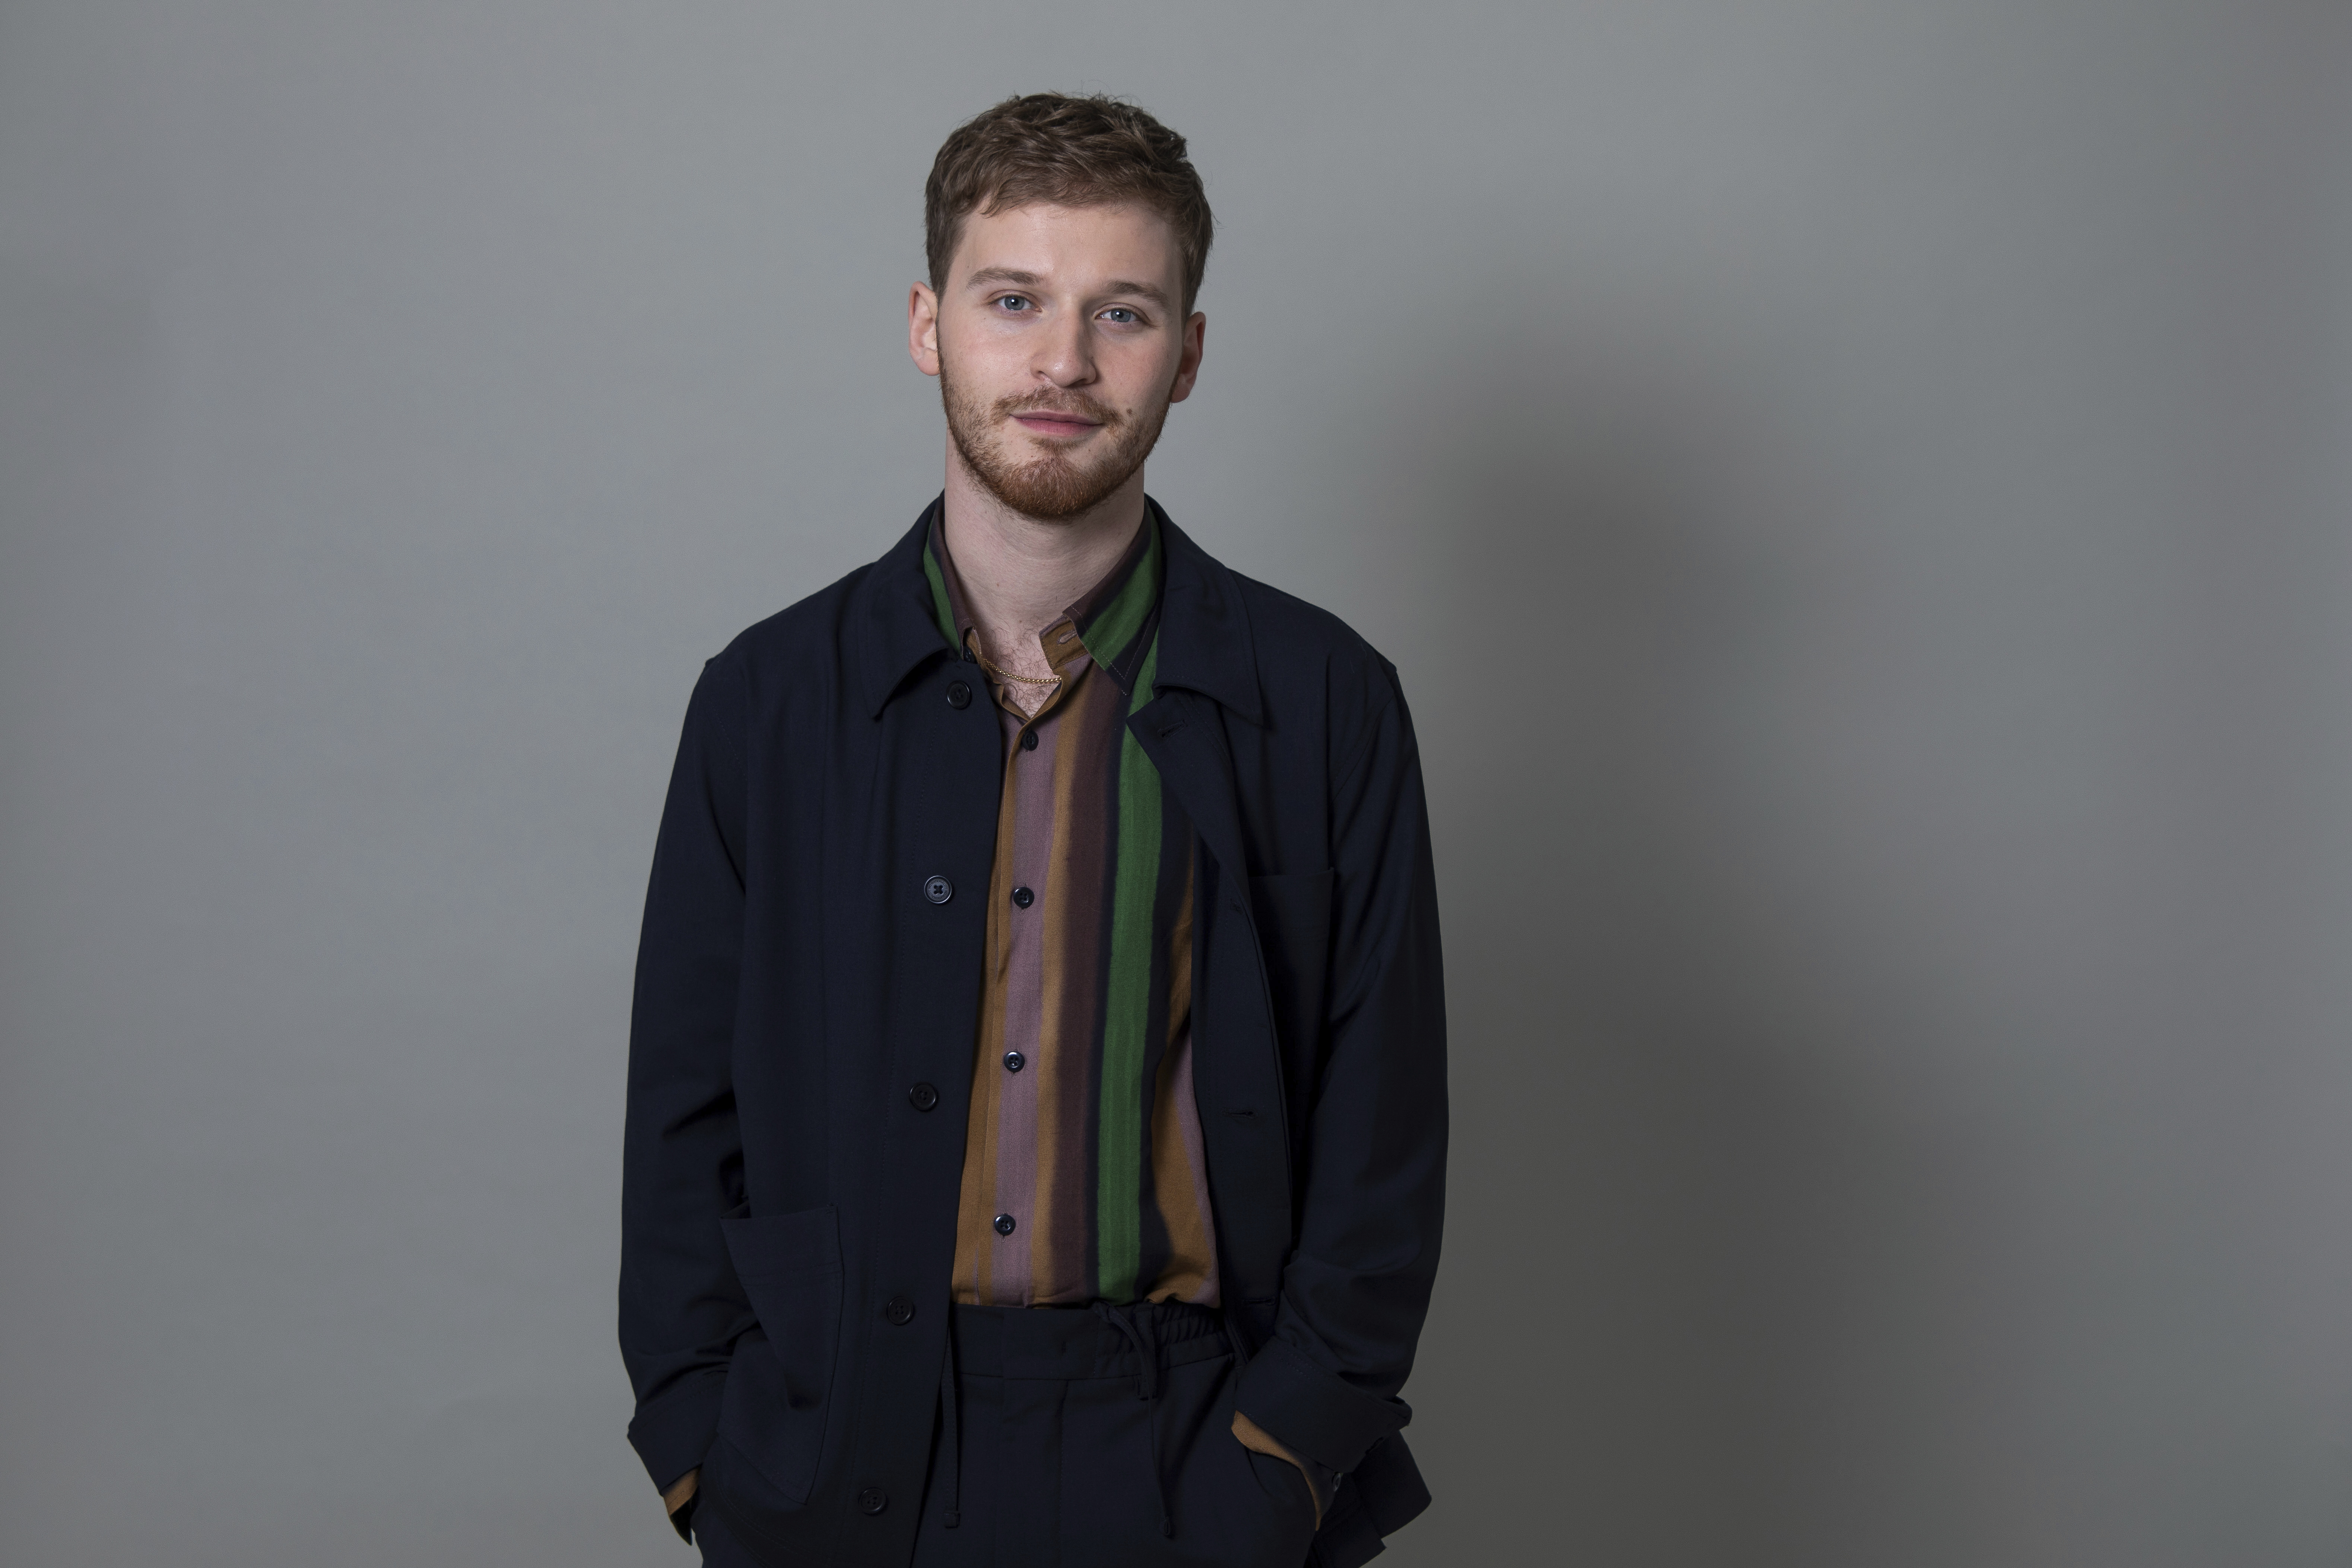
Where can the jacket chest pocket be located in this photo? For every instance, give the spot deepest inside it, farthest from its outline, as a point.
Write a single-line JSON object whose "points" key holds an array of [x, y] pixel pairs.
{"points": [[1293, 914], [773, 1409]]}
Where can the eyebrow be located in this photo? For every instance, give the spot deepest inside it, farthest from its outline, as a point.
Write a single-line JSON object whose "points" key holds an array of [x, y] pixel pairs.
{"points": [[1145, 291], [990, 276]]}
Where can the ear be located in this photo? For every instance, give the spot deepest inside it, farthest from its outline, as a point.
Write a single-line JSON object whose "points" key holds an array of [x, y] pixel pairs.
{"points": [[1188, 362], [923, 328]]}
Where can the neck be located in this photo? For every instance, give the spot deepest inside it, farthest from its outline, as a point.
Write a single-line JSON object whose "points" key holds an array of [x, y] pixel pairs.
{"points": [[1019, 573]]}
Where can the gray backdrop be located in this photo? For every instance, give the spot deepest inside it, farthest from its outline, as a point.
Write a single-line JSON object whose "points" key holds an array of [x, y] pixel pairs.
{"points": [[1858, 493]]}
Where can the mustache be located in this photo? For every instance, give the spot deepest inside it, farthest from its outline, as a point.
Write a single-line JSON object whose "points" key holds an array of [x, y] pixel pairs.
{"points": [[1077, 403]]}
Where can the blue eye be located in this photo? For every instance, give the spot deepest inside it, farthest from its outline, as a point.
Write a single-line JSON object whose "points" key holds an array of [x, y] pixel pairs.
{"points": [[1012, 302], [1121, 314]]}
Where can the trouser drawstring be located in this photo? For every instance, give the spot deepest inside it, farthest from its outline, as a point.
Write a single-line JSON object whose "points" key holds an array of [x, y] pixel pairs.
{"points": [[952, 1416], [1138, 1334], [1233, 1338]]}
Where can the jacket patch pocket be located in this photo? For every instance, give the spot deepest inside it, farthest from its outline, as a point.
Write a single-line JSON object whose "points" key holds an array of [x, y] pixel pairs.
{"points": [[773, 1409], [1293, 930]]}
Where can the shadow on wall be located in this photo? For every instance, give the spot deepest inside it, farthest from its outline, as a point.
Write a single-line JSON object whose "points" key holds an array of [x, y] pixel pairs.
{"points": [[1657, 1203]]}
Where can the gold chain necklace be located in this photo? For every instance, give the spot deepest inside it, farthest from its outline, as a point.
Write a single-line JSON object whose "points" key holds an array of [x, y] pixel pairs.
{"points": [[1008, 675]]}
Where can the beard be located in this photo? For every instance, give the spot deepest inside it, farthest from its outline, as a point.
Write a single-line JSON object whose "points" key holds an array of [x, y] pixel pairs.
{"points": [[1053, 485]]}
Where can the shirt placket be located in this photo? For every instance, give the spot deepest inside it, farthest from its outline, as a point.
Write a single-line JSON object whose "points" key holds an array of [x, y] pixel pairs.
{"points": [[1019, 889]]}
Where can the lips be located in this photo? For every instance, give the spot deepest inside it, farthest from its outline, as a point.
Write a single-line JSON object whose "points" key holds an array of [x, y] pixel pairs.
{"points": [[1047, 422], [1064, 416]]}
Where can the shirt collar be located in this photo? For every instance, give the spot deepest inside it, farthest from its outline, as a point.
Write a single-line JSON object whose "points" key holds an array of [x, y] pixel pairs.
{"points": [[1115, 618], [1205, 643]]}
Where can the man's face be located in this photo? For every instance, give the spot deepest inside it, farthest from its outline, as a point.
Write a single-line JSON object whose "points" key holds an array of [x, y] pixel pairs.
{"points": [[1058, 345]]}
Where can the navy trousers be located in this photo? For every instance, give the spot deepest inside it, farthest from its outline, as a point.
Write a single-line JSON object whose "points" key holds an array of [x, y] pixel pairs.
{"points": [[1096, 1438]]}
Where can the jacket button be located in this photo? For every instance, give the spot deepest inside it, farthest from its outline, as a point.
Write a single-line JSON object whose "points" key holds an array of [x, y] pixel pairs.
{"points": [[1022, 898], [939, 890], [1004, 1225], [1014, 1061], [922, 1097], [958, 696], [1028, 740], [873, 1500], [900, 1311]]}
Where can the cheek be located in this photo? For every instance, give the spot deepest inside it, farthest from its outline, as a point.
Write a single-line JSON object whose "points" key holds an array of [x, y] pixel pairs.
{"points": [[1143, 372], [974, 346]]}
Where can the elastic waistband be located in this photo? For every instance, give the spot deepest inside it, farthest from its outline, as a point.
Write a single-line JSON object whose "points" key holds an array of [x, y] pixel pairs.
{"points": [[1070, 1342]]}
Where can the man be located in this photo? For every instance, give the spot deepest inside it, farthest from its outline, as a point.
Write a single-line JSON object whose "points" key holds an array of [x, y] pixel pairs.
{"points": [[1036, 1114]]}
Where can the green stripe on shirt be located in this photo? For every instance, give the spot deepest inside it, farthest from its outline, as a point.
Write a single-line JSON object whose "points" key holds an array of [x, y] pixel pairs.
{"points": [[942, 608], [1109, 630], [1126, 1012]]}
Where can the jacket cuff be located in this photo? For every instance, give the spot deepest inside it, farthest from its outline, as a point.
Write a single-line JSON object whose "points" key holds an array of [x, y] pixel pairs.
{"points": [[672, 1432], [1313, 1411]]}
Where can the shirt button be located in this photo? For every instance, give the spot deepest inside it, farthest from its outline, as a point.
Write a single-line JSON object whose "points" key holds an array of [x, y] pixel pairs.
{"points": [[922, 1097], [1014, 1061], [939, 890], [1004, 1225], [1028, 740], [1022, 898], [900, 1311], [959, 694], [873, 1500]]}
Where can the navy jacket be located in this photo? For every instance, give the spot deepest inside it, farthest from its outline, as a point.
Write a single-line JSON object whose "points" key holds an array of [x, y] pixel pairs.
{"points": [[800, 1051]]}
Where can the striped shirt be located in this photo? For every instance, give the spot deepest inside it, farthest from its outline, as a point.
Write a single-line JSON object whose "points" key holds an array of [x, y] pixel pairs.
{"points": [[1083, 1171]]}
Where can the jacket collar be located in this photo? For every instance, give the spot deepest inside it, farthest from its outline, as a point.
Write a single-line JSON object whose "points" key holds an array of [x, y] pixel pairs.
{"points": [[892, 629], [1204, 635]]}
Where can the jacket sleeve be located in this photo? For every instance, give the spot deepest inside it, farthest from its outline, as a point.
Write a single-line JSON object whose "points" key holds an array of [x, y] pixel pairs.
{"points": [[681, 1309], [1356, 1286]]}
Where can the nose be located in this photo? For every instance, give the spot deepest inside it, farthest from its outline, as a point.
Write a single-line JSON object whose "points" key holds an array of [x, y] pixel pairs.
{"points": [[1066, 353]]}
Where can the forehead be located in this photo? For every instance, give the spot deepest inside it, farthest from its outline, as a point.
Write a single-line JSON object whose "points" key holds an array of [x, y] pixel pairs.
{"points": [[1124, 240]]}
